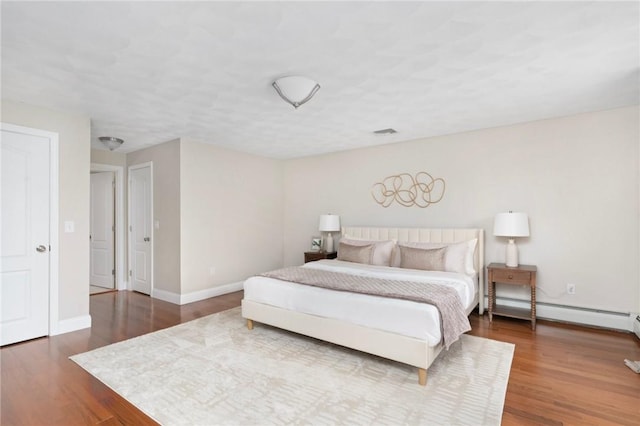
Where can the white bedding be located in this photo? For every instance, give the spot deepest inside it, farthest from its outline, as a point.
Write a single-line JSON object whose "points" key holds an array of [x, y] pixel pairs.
{"points": [[403, 317]]}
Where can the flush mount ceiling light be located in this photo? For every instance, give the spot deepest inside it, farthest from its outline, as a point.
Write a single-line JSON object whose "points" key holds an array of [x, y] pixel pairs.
{"points": [[111, 142], [296, 90]]}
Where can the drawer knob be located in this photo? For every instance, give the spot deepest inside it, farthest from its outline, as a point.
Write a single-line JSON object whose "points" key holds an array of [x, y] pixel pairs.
{"points": [[510, 277]]}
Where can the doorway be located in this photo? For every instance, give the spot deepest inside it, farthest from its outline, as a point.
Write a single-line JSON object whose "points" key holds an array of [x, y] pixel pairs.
{"points": [[118, 270], [102, 233]]}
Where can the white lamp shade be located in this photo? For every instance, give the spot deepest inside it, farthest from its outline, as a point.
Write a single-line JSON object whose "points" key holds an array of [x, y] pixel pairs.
{"points": [[511, 225], [329, 223], [296, 90]]}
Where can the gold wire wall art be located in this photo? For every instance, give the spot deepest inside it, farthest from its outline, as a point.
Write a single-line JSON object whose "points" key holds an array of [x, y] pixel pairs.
{"points": [[420, 190]]}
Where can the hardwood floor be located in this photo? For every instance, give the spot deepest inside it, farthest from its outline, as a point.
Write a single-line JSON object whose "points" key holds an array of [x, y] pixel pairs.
{"points": [[41, 386], [567, 374], [561, 374]]}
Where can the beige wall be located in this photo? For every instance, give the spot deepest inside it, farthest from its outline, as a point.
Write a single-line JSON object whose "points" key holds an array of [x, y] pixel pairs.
{"points": [[166, 209], [576, 177], [109, 157], [217, 209], [74, 133], [231, 215]]}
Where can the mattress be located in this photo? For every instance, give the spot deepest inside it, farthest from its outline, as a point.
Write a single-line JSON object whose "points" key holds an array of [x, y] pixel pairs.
{"points": [[405, 317]]}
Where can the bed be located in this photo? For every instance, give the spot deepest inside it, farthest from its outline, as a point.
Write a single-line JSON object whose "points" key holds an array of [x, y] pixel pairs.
{"points": [[401, 330]]}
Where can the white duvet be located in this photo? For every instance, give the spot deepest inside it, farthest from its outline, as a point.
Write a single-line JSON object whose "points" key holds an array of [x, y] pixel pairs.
{"points": [[404, 317]]}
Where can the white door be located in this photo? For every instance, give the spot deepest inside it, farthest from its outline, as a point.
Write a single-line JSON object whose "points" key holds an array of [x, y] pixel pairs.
{"points": [[24, 267], [102, 230], [140, 214]]}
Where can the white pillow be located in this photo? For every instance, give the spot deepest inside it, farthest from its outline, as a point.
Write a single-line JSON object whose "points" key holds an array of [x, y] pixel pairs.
{"points": [[382, 250], [458, 256]]}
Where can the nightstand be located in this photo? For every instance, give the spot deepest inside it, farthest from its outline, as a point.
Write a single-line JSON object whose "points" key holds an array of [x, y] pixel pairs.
{"points": [[520, 275], [310, 256]]}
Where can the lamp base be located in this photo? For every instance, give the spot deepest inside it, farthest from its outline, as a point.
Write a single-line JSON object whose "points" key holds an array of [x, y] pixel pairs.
{"points": [[512, 254], [328, 243]]}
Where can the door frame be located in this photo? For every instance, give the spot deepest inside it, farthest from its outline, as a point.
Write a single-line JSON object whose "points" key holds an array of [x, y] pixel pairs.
{"points": [[151, 221], [54, 257], [121, 280]]}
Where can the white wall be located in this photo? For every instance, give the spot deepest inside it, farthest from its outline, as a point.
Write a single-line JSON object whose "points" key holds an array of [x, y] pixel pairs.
{"points": [[231, 216], [74, 157], [576, 177]]}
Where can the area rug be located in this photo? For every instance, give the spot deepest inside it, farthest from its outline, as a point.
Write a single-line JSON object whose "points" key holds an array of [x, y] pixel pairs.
{"points": [[213, 371]]}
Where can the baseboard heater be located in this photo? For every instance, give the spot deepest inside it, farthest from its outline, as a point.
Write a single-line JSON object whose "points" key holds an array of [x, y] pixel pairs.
{"points": [[578, 315]]}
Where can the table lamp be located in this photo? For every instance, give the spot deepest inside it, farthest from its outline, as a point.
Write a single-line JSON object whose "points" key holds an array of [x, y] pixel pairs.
{"points": [[329, 223], [511, 225]]}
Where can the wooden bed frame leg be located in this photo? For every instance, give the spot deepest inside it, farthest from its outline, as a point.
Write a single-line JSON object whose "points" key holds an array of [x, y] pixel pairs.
{"points": [[422, 377], [250, 324]]}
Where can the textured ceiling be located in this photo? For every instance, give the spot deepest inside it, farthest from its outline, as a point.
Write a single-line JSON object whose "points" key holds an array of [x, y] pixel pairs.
{"points": [[152, 72]]}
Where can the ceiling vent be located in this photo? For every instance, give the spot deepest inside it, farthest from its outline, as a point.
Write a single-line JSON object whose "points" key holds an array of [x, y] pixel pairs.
{"points": [[388, 131]]}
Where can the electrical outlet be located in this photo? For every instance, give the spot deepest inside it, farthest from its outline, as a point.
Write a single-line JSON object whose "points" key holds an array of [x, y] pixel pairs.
{"points": [[571, 289], [212, 270]]}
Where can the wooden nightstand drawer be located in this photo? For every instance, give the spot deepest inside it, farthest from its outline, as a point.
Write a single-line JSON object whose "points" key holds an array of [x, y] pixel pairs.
{"points": [[311, 256], [515, 277]]}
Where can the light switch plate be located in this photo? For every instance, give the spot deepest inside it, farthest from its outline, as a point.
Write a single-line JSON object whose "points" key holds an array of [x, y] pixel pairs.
{"points": [[69, 226]]}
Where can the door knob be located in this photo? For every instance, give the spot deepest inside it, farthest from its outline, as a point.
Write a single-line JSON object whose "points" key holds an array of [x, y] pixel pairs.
{"points": [[41, 248], [147, 239]]}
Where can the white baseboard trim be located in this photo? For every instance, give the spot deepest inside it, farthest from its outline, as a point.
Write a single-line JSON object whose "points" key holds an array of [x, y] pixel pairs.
{"points": [[183, 299], [211, 292], [584, 316], [123, 285], [167, 296], [71, 324]]}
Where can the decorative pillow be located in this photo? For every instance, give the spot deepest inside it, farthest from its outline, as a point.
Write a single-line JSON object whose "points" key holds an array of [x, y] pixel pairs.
{"points": [[425, 259], [382, 250], [356, 254], [458, 257]]}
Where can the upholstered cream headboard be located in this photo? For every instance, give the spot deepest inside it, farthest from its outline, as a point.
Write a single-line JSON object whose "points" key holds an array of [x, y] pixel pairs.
{"points": [[429, 235]]}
